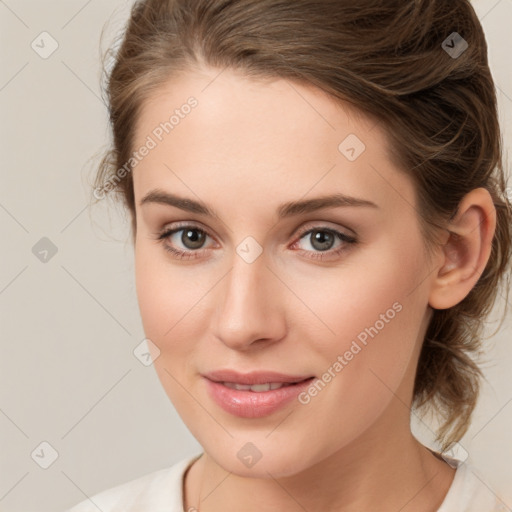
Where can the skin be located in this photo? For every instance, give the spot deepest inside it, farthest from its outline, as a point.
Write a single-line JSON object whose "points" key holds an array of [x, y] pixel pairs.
{"points": [[248, 147]]}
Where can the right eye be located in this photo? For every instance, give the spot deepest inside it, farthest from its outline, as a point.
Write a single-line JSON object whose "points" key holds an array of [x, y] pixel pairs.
{"points": [[190, 237]]}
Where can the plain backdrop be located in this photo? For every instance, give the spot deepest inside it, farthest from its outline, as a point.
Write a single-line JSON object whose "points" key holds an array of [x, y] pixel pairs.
{"points": [[73, 396]]}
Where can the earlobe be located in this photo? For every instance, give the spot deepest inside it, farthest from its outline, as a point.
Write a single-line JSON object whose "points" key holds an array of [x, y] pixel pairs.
{"points": [[466, 251]]}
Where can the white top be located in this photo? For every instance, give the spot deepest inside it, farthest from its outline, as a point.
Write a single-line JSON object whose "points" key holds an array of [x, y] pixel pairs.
{"points": [[162, 491]]}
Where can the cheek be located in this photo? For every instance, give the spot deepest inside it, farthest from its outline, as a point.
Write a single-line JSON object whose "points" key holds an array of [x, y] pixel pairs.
{"points": [[374, 315], [357, 298], [155, 301], [164, 292], [174, 304], [165, 302]]}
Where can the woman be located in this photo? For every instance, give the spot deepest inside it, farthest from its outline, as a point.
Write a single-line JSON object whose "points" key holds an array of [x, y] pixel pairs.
{"points": [[320, 226]]}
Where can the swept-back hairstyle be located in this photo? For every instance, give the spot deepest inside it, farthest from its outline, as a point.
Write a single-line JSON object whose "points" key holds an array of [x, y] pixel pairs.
{"points": [[396, 61]]}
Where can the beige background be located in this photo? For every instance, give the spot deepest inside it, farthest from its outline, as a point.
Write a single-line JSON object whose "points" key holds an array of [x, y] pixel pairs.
{"points": [[69, 326]]}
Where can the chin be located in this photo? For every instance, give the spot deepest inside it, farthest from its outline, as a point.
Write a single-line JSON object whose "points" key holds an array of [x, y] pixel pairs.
{"points": [[257, 456]]}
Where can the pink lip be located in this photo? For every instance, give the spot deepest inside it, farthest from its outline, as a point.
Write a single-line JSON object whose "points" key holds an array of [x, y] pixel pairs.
{"points": [[251, 404]]}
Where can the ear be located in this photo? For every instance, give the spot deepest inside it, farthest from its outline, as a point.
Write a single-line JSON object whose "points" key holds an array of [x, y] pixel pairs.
{"points": [[466, 251]]}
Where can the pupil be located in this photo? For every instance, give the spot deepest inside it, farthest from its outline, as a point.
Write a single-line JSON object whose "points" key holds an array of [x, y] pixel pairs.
{"points": [[324, 239], [192, 238]]}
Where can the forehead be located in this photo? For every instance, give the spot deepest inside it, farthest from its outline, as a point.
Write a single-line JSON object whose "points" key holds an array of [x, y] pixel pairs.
{"points": [[260, 138]]}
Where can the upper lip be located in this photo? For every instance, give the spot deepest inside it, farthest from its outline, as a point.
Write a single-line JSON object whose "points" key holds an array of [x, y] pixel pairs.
{"points": [[255, 377]]}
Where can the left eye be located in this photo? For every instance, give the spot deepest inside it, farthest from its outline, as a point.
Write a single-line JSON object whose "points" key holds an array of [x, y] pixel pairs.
{"points": [[320, 239]]}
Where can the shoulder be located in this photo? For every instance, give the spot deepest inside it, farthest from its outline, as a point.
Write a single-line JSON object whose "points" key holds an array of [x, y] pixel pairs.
{"points": [[470, 492], [159, 491]]}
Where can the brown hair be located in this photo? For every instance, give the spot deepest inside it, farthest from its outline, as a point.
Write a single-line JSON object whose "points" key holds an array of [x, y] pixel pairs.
{"points": [[387, 59]]}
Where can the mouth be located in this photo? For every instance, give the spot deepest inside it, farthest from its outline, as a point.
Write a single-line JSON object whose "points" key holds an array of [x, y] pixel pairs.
{"points": [[256, 394], [258, 388]]}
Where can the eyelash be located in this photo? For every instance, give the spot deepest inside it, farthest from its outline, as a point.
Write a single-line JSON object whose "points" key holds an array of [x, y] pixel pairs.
{"points": [[319, 255]]}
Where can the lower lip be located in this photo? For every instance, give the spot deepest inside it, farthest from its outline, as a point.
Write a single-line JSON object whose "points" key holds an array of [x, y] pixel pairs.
{"points": [[252, 404]]}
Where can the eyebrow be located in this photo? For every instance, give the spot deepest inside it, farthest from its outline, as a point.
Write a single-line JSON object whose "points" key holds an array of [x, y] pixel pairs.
{"points": [[285, 210]]}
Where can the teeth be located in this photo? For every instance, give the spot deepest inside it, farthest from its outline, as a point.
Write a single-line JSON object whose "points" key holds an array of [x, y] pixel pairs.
{"points": [[240, 387], [255, 387], [260, 387]]}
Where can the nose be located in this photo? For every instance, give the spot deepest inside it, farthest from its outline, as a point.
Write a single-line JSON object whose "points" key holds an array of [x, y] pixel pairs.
{"points": [[251, 306]]}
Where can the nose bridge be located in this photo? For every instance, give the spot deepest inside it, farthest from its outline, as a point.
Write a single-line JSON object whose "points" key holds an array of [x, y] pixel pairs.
{"points": [[249, 308], [246, 289]]}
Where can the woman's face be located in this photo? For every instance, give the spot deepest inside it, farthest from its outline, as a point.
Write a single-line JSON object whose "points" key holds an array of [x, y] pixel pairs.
{"points": [[265, 286]]}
